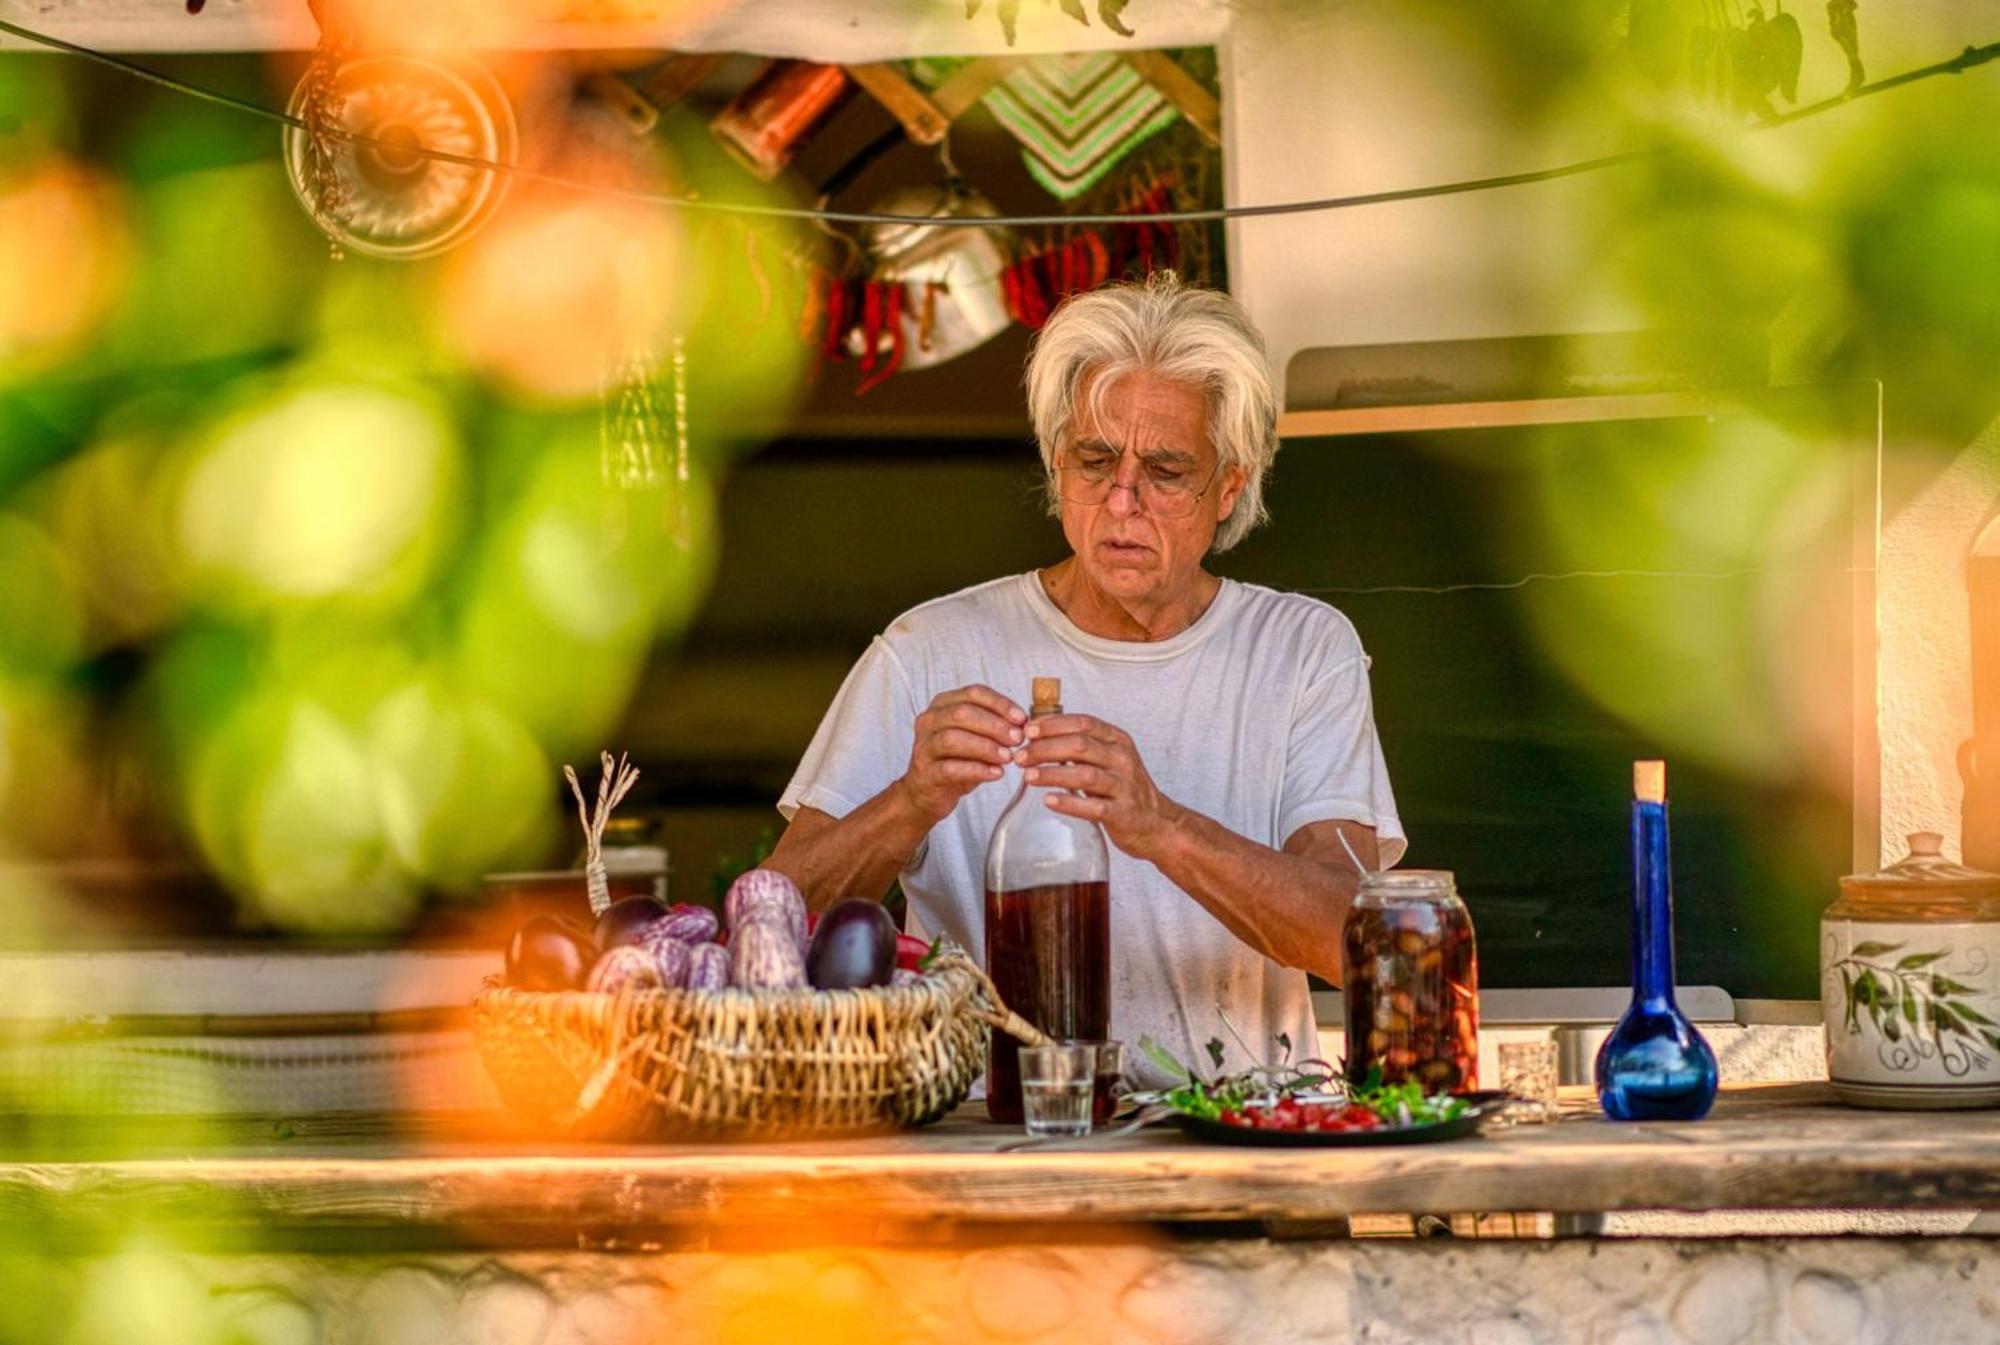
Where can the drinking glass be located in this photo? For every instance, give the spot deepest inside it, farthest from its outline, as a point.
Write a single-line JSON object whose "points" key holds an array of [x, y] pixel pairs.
{"points": [[1528, 1072], [1056, 1086]]}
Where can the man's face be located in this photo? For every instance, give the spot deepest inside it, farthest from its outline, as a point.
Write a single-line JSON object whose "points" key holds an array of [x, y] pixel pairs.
{"points": [[1153, 433]]}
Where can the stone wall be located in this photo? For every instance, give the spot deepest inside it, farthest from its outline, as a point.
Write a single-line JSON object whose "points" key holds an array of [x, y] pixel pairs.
{"points": [[1140, 1289]]}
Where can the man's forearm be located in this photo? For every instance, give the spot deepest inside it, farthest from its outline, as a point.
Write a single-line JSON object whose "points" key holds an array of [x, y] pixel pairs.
{"points": [[858, 855], [1288, 907]]}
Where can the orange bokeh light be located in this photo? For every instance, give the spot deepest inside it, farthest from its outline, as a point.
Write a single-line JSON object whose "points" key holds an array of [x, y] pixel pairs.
{"points": [[64, 254], [558, 287]]}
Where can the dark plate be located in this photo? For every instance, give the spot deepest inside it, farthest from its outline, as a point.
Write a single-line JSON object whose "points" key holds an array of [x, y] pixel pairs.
{"points": [[1483, 1106]]}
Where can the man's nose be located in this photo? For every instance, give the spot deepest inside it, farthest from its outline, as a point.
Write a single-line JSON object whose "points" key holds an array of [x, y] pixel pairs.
{"points": [[1124, 498], [1125, 482]]}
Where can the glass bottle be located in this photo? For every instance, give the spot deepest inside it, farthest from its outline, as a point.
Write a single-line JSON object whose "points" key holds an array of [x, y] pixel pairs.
{"points": [[1410, 982], [1048, 924], [1654, 1066]]}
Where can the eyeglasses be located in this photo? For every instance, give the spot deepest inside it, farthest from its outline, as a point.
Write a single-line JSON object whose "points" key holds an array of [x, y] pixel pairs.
{"points": [[1166, 488]]}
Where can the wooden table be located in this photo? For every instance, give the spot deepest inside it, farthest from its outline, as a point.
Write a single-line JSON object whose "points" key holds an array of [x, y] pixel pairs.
{"points": [[1771, 1147]]}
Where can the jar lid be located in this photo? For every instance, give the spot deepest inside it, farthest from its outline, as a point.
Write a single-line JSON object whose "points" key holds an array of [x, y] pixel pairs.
{"points": [[1410, 884], [1925, 866]]}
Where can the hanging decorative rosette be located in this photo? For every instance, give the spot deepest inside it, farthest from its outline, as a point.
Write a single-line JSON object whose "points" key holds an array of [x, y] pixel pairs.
{"points": [[363, 162]]}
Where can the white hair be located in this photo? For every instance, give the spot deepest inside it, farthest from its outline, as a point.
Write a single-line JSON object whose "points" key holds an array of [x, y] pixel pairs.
{"points": [[1176, 331]]}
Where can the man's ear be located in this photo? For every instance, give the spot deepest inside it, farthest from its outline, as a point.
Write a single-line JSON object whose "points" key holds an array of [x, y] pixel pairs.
{"points": [[1233, 480]]}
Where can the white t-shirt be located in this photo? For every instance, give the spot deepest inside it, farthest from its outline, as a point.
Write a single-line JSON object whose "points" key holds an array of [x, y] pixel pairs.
{"points": [[1257, 716]]}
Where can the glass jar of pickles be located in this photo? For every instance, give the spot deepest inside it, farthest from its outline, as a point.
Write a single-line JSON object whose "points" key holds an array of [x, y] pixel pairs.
{"points": [[1411, 982]]}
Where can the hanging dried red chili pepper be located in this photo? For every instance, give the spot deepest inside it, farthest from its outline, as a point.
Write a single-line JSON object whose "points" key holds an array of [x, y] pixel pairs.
{"points": [[1010, 288], [890, 303], [871, 322], [1098, 268], [839, 317]]}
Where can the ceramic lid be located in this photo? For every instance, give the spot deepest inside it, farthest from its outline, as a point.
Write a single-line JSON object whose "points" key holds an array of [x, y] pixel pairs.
{"points": [[1925, 868]]}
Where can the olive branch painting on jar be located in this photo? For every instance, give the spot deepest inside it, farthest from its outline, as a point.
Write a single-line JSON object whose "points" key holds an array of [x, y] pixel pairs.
{"points": [[1919, 1011]]}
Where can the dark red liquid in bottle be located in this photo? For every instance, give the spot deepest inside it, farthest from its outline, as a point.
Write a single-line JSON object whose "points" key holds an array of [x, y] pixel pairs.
{"points": [[1048, 950]]}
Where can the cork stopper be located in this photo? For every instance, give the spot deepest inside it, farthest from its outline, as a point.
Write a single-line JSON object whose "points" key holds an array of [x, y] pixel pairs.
{"points": [[1649, 781], [1048, 696]]}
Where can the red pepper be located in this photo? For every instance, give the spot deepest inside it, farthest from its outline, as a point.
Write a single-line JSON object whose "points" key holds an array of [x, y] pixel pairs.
{"points": [[892, 316], [1099, 269], [837, 319], [871, 322], [1010, 286]]}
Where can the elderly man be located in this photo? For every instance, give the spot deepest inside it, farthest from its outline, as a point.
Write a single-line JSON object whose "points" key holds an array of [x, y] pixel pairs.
{"points": [[1229, 748]]}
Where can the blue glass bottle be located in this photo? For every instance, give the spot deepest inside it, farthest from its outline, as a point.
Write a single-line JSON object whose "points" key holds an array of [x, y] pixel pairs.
{"points": [[1654, 1066]]}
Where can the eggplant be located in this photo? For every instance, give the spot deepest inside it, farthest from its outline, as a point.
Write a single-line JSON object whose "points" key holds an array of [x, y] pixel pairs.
{"points": [[763, 955], [626, 920], [626, 967], [690, 924], [671, 957], [548, 954], [853, 947], [766, 891], [708, 967]]}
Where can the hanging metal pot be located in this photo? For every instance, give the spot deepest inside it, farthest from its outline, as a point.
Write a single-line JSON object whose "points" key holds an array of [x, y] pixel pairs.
{"points": [[953, 297]]}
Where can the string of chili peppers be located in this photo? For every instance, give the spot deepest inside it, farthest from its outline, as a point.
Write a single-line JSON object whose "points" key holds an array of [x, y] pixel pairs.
{"points": [[843, 311]]}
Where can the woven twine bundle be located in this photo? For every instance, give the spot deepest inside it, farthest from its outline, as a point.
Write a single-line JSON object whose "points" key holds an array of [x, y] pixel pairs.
{"points": [[652, 1064]]}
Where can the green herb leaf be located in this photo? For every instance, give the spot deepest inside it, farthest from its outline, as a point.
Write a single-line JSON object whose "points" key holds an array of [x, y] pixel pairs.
{"points": [[1164, 1058], [1909, 1004], [1915, 960], [1873, 949]]}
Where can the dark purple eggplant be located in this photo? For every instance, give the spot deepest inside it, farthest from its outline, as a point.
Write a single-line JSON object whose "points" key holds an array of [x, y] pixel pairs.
{"points": [[626, 921], [548, 954], [854, 946]]}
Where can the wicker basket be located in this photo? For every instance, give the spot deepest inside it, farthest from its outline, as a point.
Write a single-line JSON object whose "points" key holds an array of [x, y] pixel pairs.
{"points": [[738, 1063]]}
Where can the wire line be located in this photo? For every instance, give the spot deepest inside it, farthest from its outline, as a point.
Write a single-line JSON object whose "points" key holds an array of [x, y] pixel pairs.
{"points": [[1965, 60]]}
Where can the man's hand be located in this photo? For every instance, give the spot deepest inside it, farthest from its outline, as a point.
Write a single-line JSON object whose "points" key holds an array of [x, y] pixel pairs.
{"points": [[963, 740], [1102, 764]]}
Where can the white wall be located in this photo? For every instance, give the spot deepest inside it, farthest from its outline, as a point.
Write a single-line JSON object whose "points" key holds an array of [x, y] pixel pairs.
{"points": [[1338, 97]]}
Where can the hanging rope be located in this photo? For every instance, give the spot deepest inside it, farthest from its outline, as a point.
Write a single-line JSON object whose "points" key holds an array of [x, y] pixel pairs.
{"points": [[613, 785]]}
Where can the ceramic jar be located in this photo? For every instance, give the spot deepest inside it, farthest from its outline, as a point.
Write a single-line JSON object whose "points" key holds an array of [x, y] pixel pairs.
{"points": [[1910, 984]]}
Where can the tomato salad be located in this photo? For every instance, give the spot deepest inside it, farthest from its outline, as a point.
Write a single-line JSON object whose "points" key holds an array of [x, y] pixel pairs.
{"points": [[1308, 1097]]}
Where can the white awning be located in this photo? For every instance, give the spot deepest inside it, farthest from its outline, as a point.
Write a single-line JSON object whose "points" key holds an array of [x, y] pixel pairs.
{"points": [[844, 31]]}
